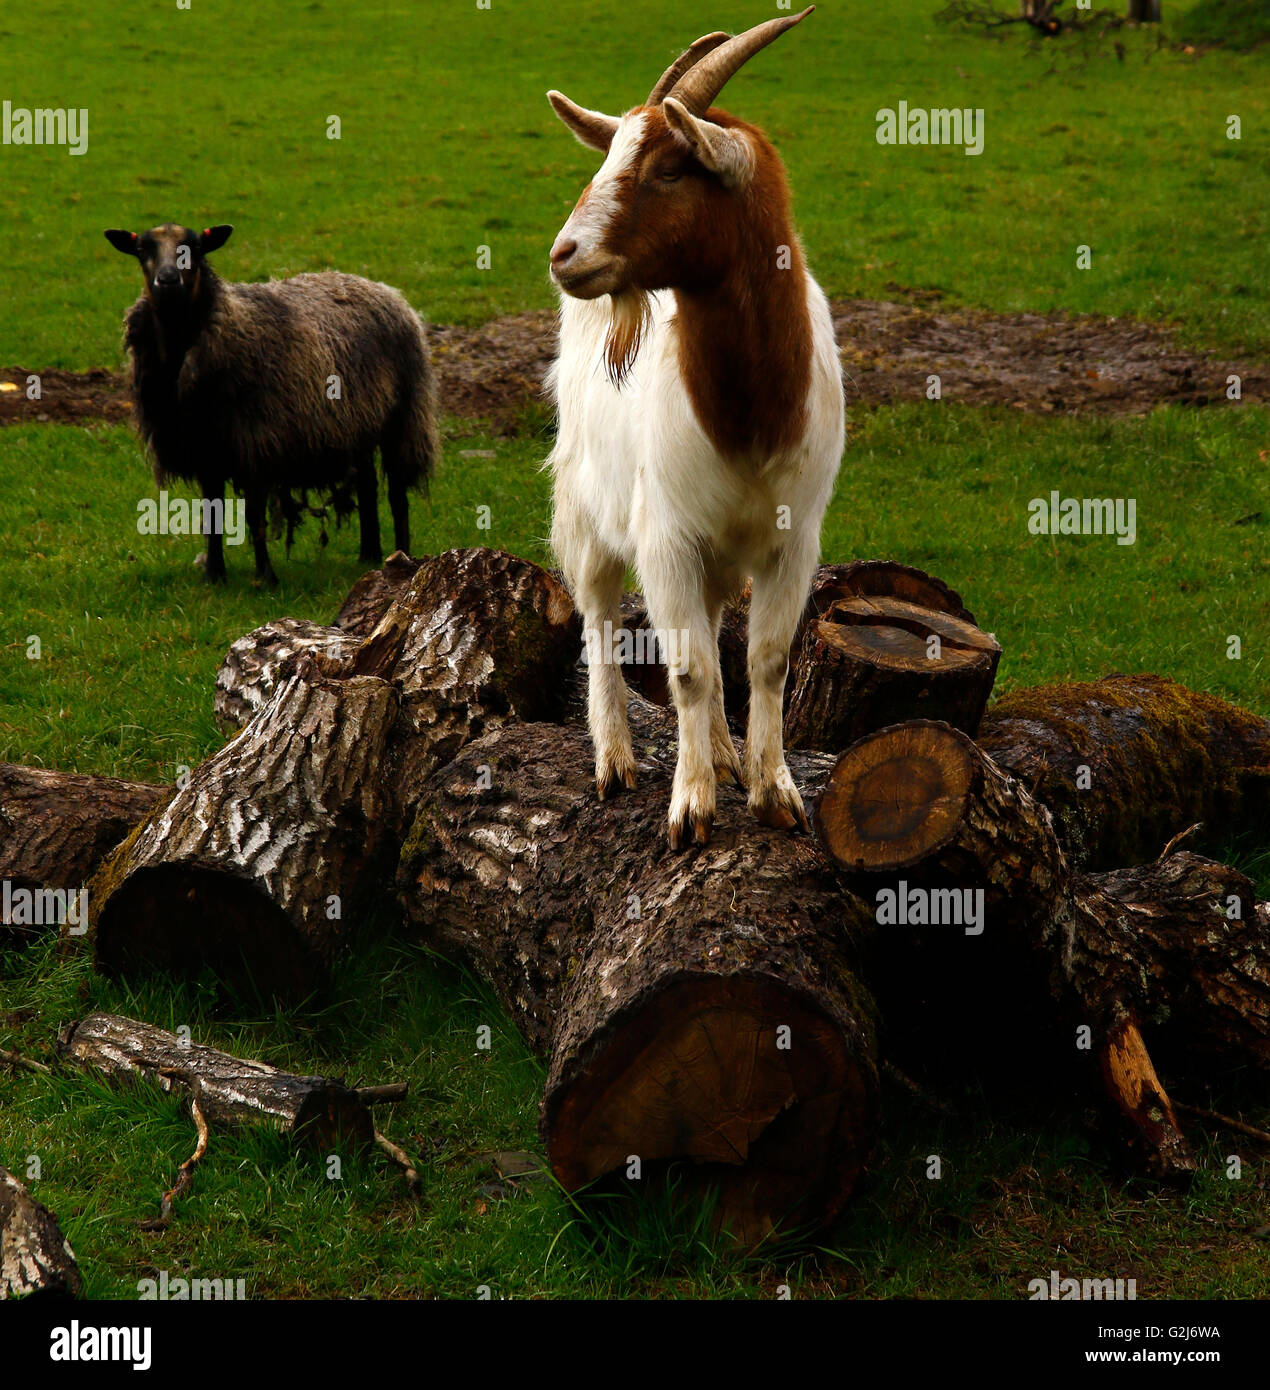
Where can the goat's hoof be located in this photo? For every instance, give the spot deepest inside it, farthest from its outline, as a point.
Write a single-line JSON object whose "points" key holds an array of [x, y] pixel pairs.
{"points": [[266, 581], [782, 810], [612, 779], [213, 576], [729, 770], [689, 830]]}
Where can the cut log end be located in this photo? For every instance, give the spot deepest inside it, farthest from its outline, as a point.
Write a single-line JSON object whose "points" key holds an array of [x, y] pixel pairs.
{"points": [[872, 660], [778, 1123], [229, 927], [897, 796]]}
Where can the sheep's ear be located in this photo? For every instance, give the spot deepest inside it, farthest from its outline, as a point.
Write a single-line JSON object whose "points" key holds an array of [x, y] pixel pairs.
{"points": [[214, 238], [123, 241]]}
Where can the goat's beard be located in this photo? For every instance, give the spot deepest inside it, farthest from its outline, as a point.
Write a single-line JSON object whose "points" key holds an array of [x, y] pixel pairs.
{"points": [[631, 319]]}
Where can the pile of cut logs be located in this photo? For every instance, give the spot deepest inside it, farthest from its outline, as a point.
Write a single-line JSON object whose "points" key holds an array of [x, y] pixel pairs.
{"points": [[983, 888]]}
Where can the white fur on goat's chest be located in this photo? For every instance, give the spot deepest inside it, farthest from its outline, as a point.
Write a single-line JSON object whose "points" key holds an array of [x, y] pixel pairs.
{"points": [[638, 463]]}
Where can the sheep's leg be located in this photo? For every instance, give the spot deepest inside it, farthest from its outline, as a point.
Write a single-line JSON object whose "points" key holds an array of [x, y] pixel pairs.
{"points": [[777, 603], [597, 590], [368, 510], [215, 571], [727, 766], [256, 524], [679, 611], [398, 500]]}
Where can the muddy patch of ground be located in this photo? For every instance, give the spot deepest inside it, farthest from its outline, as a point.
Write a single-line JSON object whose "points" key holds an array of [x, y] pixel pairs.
{"points": [[1047, 363]]}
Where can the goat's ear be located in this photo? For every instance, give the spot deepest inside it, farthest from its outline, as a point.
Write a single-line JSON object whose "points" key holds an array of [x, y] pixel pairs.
{"points": [[592, 128], [724, 152], [122, 241], [214, 238]]}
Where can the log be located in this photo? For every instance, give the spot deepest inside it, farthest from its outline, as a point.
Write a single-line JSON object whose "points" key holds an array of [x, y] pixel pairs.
{"points": [[656, 986], [1127, 762], [285, 840], [35, 1258], [873, 660], [1178, 948], [258, 663], [314, 1111], [56, 827], [261, 867]]}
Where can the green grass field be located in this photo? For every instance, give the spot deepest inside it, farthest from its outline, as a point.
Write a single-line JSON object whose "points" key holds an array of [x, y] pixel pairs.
{"points": [[219, 114]]}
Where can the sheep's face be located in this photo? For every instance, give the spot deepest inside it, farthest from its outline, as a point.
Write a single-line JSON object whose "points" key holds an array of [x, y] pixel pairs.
{"points": [[171, 258]]}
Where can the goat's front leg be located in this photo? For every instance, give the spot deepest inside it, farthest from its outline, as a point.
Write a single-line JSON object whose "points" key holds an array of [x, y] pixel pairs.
{"points": [[779, 595], [597, 589], [679, 612]]}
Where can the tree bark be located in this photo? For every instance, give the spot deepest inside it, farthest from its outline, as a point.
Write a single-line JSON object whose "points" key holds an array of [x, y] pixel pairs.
{"points": [[875, 660], [657, 986], [1127, 762], [56, 827], [312, 1110], [270, 859], [35, 1258]]}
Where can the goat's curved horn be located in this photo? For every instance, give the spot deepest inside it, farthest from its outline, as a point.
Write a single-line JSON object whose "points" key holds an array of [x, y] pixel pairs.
{"points": [[706, 78], [687, 59]]}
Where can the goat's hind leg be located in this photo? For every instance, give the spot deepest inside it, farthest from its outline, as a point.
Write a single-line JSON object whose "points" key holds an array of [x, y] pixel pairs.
{"points": [[597, 589], [775, 608], [727, 765]]}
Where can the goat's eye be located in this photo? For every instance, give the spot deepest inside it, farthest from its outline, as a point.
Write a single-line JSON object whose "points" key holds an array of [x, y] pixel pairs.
{"points": [[669, 173]]}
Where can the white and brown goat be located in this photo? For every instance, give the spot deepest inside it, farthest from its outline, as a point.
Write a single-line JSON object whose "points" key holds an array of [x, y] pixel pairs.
{"points": [[700, 408]]}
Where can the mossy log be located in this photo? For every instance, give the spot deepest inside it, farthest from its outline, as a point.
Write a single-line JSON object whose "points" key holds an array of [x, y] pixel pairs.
{"points": [[57, 827], [35, 1258], [314, 1111], [266, 864], [989, 919], [698, 1008], [1128, 762]]}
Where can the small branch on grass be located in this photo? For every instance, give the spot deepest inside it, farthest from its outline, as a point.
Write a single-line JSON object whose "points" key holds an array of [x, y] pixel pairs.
{"points": [[1227, 1121], [401, 1159], [185, 1177], [374, 1095], [15, 1059]]}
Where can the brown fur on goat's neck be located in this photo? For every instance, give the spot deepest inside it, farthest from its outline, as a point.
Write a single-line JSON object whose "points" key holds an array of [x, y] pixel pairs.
{"points": [[745, 340]]}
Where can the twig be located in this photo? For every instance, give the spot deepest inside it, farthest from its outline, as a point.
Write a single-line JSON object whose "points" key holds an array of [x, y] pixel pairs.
{"points": [[1227, 1120], [15, 1059], [186, 1176], [394, 1090], [1179, 837], [399, 1157], [914, 1088]]}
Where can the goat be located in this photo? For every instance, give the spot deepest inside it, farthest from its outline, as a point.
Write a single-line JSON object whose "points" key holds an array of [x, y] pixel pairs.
{"points": [[701, 418], [277, 388]]}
